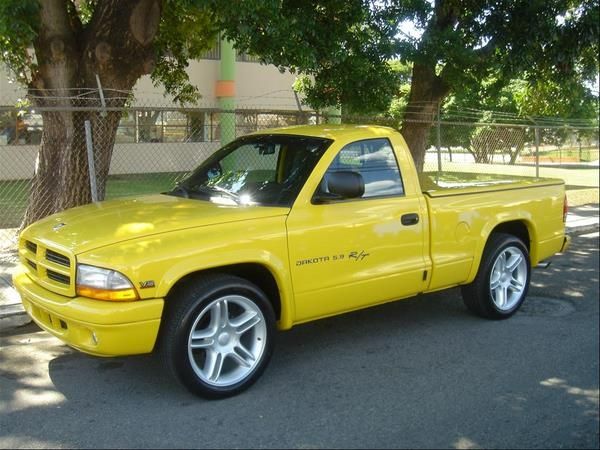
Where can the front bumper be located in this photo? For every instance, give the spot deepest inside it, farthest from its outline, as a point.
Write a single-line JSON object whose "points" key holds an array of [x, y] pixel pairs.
{"points": [[92, 326]]}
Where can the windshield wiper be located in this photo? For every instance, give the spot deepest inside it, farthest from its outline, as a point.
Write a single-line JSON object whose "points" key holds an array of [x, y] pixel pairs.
{"points": [[212, 189], [179, 189]]}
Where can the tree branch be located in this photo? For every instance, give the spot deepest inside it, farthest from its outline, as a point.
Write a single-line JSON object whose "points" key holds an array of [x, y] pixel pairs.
{"points": [[76, 24], [119, 44]]}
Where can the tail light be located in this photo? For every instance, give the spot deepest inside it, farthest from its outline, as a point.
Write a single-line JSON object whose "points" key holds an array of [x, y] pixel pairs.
{"points": [[565, 209]]}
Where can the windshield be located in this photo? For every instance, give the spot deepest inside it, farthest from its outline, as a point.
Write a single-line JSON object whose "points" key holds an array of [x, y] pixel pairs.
{"points": [[265, 170]]}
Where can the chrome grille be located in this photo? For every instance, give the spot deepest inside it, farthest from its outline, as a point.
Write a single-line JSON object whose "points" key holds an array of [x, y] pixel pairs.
{"points": [[58, 258]]}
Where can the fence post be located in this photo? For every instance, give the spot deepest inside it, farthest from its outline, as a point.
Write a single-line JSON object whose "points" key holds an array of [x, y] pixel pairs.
{"points": [[333, 114], [537, 151], [439, 139], [102, 100], [90, 155]]}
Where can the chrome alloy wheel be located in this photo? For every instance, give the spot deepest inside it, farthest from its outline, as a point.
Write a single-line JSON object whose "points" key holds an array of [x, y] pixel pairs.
{"points": [[227, 340], [508, 278]]}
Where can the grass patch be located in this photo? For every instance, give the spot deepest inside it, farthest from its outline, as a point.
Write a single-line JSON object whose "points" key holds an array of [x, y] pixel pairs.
{"points": [[141, 184], [15, 193], [585, 155]]}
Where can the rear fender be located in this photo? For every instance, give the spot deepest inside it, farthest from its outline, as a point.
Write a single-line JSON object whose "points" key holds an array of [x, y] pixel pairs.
{"points": [[492, 227]]}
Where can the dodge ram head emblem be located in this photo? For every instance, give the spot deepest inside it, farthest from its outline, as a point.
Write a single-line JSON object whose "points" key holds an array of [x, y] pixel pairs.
{"points": [[58, 226]]}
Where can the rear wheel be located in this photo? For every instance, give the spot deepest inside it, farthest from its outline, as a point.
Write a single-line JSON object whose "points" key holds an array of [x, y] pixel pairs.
{"points": [[502, 281], [218, 335]]}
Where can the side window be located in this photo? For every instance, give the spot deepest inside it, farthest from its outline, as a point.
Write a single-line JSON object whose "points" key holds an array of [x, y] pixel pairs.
{"points": [[375, 161]]}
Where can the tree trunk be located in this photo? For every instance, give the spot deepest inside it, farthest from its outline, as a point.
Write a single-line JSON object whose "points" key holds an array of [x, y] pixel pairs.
{"points": [[518, 139], [427, 91], [515, 155], [116, 46], [147, 125], [428, 87]]}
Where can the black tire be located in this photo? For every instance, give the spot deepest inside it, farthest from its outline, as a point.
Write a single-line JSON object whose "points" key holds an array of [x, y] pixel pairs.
{"points": [[480, 298], [195, 305]]}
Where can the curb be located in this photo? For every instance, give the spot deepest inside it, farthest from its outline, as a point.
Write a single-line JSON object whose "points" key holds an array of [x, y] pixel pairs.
{"points": [[12, 315], [10, 324]]}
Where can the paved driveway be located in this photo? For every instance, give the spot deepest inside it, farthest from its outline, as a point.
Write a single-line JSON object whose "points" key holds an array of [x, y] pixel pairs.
{"points": [[417, 373]]}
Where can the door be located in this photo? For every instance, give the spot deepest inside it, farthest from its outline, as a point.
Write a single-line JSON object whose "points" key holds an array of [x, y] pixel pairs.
{"points": [[353, 253]]}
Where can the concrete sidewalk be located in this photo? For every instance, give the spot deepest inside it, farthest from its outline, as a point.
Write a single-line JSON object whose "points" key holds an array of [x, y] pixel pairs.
{"points": [[581, 219]]}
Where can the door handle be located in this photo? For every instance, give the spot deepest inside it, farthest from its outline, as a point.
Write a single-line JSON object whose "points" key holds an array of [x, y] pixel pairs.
{"points": [[410, 219]]}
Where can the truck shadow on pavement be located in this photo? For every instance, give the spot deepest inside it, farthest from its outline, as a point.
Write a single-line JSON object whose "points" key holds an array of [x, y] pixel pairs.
{"points": [[306, 346], [415, 373]]}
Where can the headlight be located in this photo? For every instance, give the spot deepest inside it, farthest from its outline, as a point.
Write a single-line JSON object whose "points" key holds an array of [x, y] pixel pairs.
{"points": [[104, 284]]}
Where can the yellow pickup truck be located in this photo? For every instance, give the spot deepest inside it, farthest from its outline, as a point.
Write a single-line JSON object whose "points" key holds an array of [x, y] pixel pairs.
{"points": [[278, 228]]}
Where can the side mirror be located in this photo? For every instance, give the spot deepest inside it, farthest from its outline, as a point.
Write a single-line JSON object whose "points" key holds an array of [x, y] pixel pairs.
{"points": [[341, 185]]}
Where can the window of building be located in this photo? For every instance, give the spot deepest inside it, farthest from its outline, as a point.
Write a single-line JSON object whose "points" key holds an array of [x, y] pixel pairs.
{"points": [[214, 52], [20, 129], [245, 57]]}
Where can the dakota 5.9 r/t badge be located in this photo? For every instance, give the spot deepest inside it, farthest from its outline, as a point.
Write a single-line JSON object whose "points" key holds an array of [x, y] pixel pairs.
{"points": [[350, 256]]}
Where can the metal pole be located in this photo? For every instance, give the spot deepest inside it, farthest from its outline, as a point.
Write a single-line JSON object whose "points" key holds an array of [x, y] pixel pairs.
{"points": [[439, 140], [537, 152], [90, 155], [298, 104], [333, 114], [102, 101]]}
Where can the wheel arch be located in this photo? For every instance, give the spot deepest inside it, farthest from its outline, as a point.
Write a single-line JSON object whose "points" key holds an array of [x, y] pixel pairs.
{"points": [[522, 229], [256, 273]]}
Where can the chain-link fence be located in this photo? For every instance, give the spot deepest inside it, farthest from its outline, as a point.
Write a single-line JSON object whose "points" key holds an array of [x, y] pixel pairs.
{"points": [[145, 150], [512, 149], [141, 150]]}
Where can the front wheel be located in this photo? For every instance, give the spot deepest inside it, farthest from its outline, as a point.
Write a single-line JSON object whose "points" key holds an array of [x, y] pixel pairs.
{"points": [[502, 281], [218, 335]]}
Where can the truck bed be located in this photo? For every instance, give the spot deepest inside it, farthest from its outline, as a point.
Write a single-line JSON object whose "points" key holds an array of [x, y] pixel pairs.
{"points": [[462, 208], [443, 184]]}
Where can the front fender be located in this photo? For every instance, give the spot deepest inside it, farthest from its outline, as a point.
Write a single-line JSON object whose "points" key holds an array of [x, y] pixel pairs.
{"points": [[156, 263]]}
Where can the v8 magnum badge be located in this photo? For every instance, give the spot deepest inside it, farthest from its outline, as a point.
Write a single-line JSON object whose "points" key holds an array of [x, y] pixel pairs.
{"points": [[58, 226], [147, 284]]}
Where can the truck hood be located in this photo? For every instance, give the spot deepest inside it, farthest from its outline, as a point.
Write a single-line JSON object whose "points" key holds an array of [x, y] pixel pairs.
{"points": [[88, 227]]}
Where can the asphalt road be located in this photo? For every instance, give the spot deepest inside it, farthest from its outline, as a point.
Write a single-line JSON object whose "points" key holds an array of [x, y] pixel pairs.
{"points": [[416, 373]]}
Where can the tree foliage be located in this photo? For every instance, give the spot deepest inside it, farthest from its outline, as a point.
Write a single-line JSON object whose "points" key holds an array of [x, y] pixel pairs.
{"points": [[59, 49], [345, 47], [342, 48], [185, 32], [569, 99], [18, 28]]}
